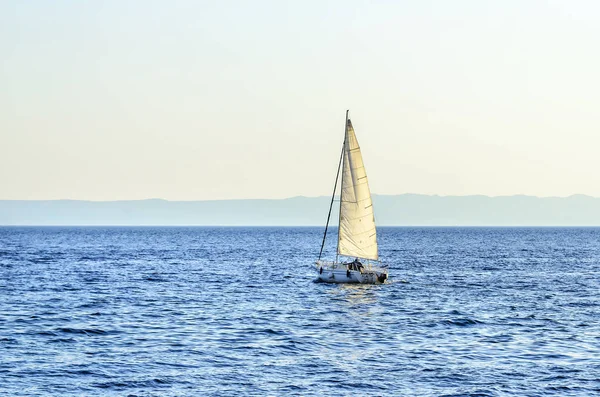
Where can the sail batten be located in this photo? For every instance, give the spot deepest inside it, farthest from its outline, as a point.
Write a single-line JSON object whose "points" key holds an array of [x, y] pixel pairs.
{"points": [[357, 235]]}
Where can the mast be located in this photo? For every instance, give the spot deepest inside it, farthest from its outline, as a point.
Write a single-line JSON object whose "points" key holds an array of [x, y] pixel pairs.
{"points": [[337, 175], [337, 251]]}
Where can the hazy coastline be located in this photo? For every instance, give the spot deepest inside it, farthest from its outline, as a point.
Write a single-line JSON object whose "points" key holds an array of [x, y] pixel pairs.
{"points": [[390, 210]]}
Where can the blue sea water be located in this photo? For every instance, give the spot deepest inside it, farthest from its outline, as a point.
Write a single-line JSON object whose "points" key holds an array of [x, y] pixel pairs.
{"points": [[175, 311]]}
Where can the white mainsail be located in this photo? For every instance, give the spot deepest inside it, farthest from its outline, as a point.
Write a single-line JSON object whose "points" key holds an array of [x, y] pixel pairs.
{"points": [[357, 235]]}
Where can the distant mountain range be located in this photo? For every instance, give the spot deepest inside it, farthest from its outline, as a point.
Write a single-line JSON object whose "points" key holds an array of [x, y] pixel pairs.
{"points": [[396, 210]]}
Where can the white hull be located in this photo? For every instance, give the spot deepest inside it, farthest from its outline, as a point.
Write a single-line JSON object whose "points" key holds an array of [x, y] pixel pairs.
{"points": [[339, 274]]}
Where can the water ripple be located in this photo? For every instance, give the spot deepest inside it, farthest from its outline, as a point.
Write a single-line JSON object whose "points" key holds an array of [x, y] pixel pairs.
{"points": [[235, 311]]}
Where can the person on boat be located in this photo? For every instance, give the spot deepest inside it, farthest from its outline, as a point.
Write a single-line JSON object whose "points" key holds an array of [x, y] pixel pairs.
{"points": [[356, 265]]}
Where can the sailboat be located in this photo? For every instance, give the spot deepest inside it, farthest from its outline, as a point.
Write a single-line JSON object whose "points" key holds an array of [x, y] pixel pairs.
{"points": [[357, 256]]}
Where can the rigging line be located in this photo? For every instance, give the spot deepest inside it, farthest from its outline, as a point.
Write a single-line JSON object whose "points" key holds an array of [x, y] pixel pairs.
{"points": [[332, 197]]}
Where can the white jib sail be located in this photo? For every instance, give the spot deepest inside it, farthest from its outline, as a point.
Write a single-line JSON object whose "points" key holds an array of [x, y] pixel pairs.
{"points": [[357, 234]]}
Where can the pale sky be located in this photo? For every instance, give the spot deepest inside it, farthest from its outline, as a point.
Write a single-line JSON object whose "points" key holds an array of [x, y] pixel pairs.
{"points": [[198, 100]]}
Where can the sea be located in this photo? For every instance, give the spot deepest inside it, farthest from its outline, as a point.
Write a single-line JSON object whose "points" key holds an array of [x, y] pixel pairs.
{"points": [[236, 311]]}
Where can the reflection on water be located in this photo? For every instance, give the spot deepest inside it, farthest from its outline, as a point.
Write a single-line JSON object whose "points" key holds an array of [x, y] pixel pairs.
{"points": [[357, 294]]}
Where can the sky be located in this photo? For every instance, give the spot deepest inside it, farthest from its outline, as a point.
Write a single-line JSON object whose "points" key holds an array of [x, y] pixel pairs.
{"points": [[203, 100]]}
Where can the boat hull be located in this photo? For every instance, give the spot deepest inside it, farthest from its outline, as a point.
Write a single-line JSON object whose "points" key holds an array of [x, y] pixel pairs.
{"points": [[340, 275]]}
